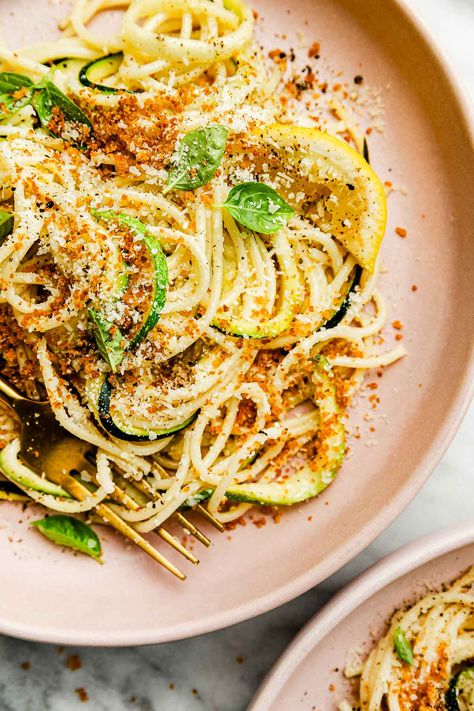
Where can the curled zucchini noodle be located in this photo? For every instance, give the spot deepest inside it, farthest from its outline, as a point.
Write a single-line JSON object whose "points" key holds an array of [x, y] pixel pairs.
{"points": [[261, 340], [440, 631]]}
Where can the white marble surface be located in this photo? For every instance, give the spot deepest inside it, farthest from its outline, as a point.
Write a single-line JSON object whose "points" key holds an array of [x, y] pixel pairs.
{"points": [[205, 671]]}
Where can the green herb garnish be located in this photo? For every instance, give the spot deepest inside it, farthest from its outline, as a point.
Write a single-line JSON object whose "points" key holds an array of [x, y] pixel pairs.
{"points": [[72, 533], [11, 81], [258, 207], [108, 338], [402, 646], [199, 156], [50, 97], [18, 90]]}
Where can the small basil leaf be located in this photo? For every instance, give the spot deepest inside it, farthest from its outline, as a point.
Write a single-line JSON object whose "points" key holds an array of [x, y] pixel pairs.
{"points": [[199, 156], [108, 338], [75, 121], [6, 224], [72, 533], [258, 207], [402, 646], [11, 81]]}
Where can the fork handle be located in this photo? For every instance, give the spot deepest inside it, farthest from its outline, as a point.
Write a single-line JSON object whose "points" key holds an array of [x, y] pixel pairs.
{"points": [[9, 394]]}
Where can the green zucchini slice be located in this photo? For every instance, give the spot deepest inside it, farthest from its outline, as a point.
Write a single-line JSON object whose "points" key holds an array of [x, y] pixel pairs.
{"points": [[16, 91], [121, 430], [72, 65], [196, 499], [311, 479], [160, 269], [6, 224], [290, 300], [96, 72], [19, 474], [460, 695], [346, 302]]}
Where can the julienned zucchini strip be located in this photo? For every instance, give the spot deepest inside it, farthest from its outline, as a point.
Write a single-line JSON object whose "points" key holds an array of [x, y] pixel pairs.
{"points": [[123, 431], [93, 74], [291, 298], [160, 270], [25, 477], [346, 301], [6, 224], [460, 695], [159, 284], [314, 476], [311, 479], [280, 323]]}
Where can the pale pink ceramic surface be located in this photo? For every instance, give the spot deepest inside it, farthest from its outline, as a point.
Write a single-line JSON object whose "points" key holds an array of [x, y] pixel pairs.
{"points": [[309, 675], [50, 595]]}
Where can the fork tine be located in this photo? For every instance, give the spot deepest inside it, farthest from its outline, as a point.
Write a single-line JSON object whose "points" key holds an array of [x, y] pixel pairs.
{"points": [[145, 487], [209, 517], [204, 512], [127, 500], [173, 541], [136, 538], [191, 528], [124, 498]]}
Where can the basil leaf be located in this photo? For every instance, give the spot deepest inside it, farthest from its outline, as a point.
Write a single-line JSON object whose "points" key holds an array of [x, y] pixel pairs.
{"points": [[258, 207], [72, 533], [108, 338], [199, 156], [403, 647], [12, 84], [6, 224], [11, 81], [75, 121]]}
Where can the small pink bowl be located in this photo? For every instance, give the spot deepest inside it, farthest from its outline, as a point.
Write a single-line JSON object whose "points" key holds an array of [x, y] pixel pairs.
{"points": [[309, 675]]}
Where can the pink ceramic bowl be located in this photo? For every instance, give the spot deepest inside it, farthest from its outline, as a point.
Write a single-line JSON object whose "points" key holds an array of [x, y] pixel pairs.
{"points": [[309, 675], [52, 596]]}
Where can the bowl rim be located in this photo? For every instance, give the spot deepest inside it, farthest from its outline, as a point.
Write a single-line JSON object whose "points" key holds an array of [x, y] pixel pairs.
{"points": [[321, 570], [355, 594]]}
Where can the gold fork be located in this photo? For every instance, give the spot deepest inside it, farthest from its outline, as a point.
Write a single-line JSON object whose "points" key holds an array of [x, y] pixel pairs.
{"points": [[49, 450]]}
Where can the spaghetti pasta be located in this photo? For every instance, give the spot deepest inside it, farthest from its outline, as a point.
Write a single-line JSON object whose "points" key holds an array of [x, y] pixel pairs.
{"points": [[183, 345], [439, 629]]}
